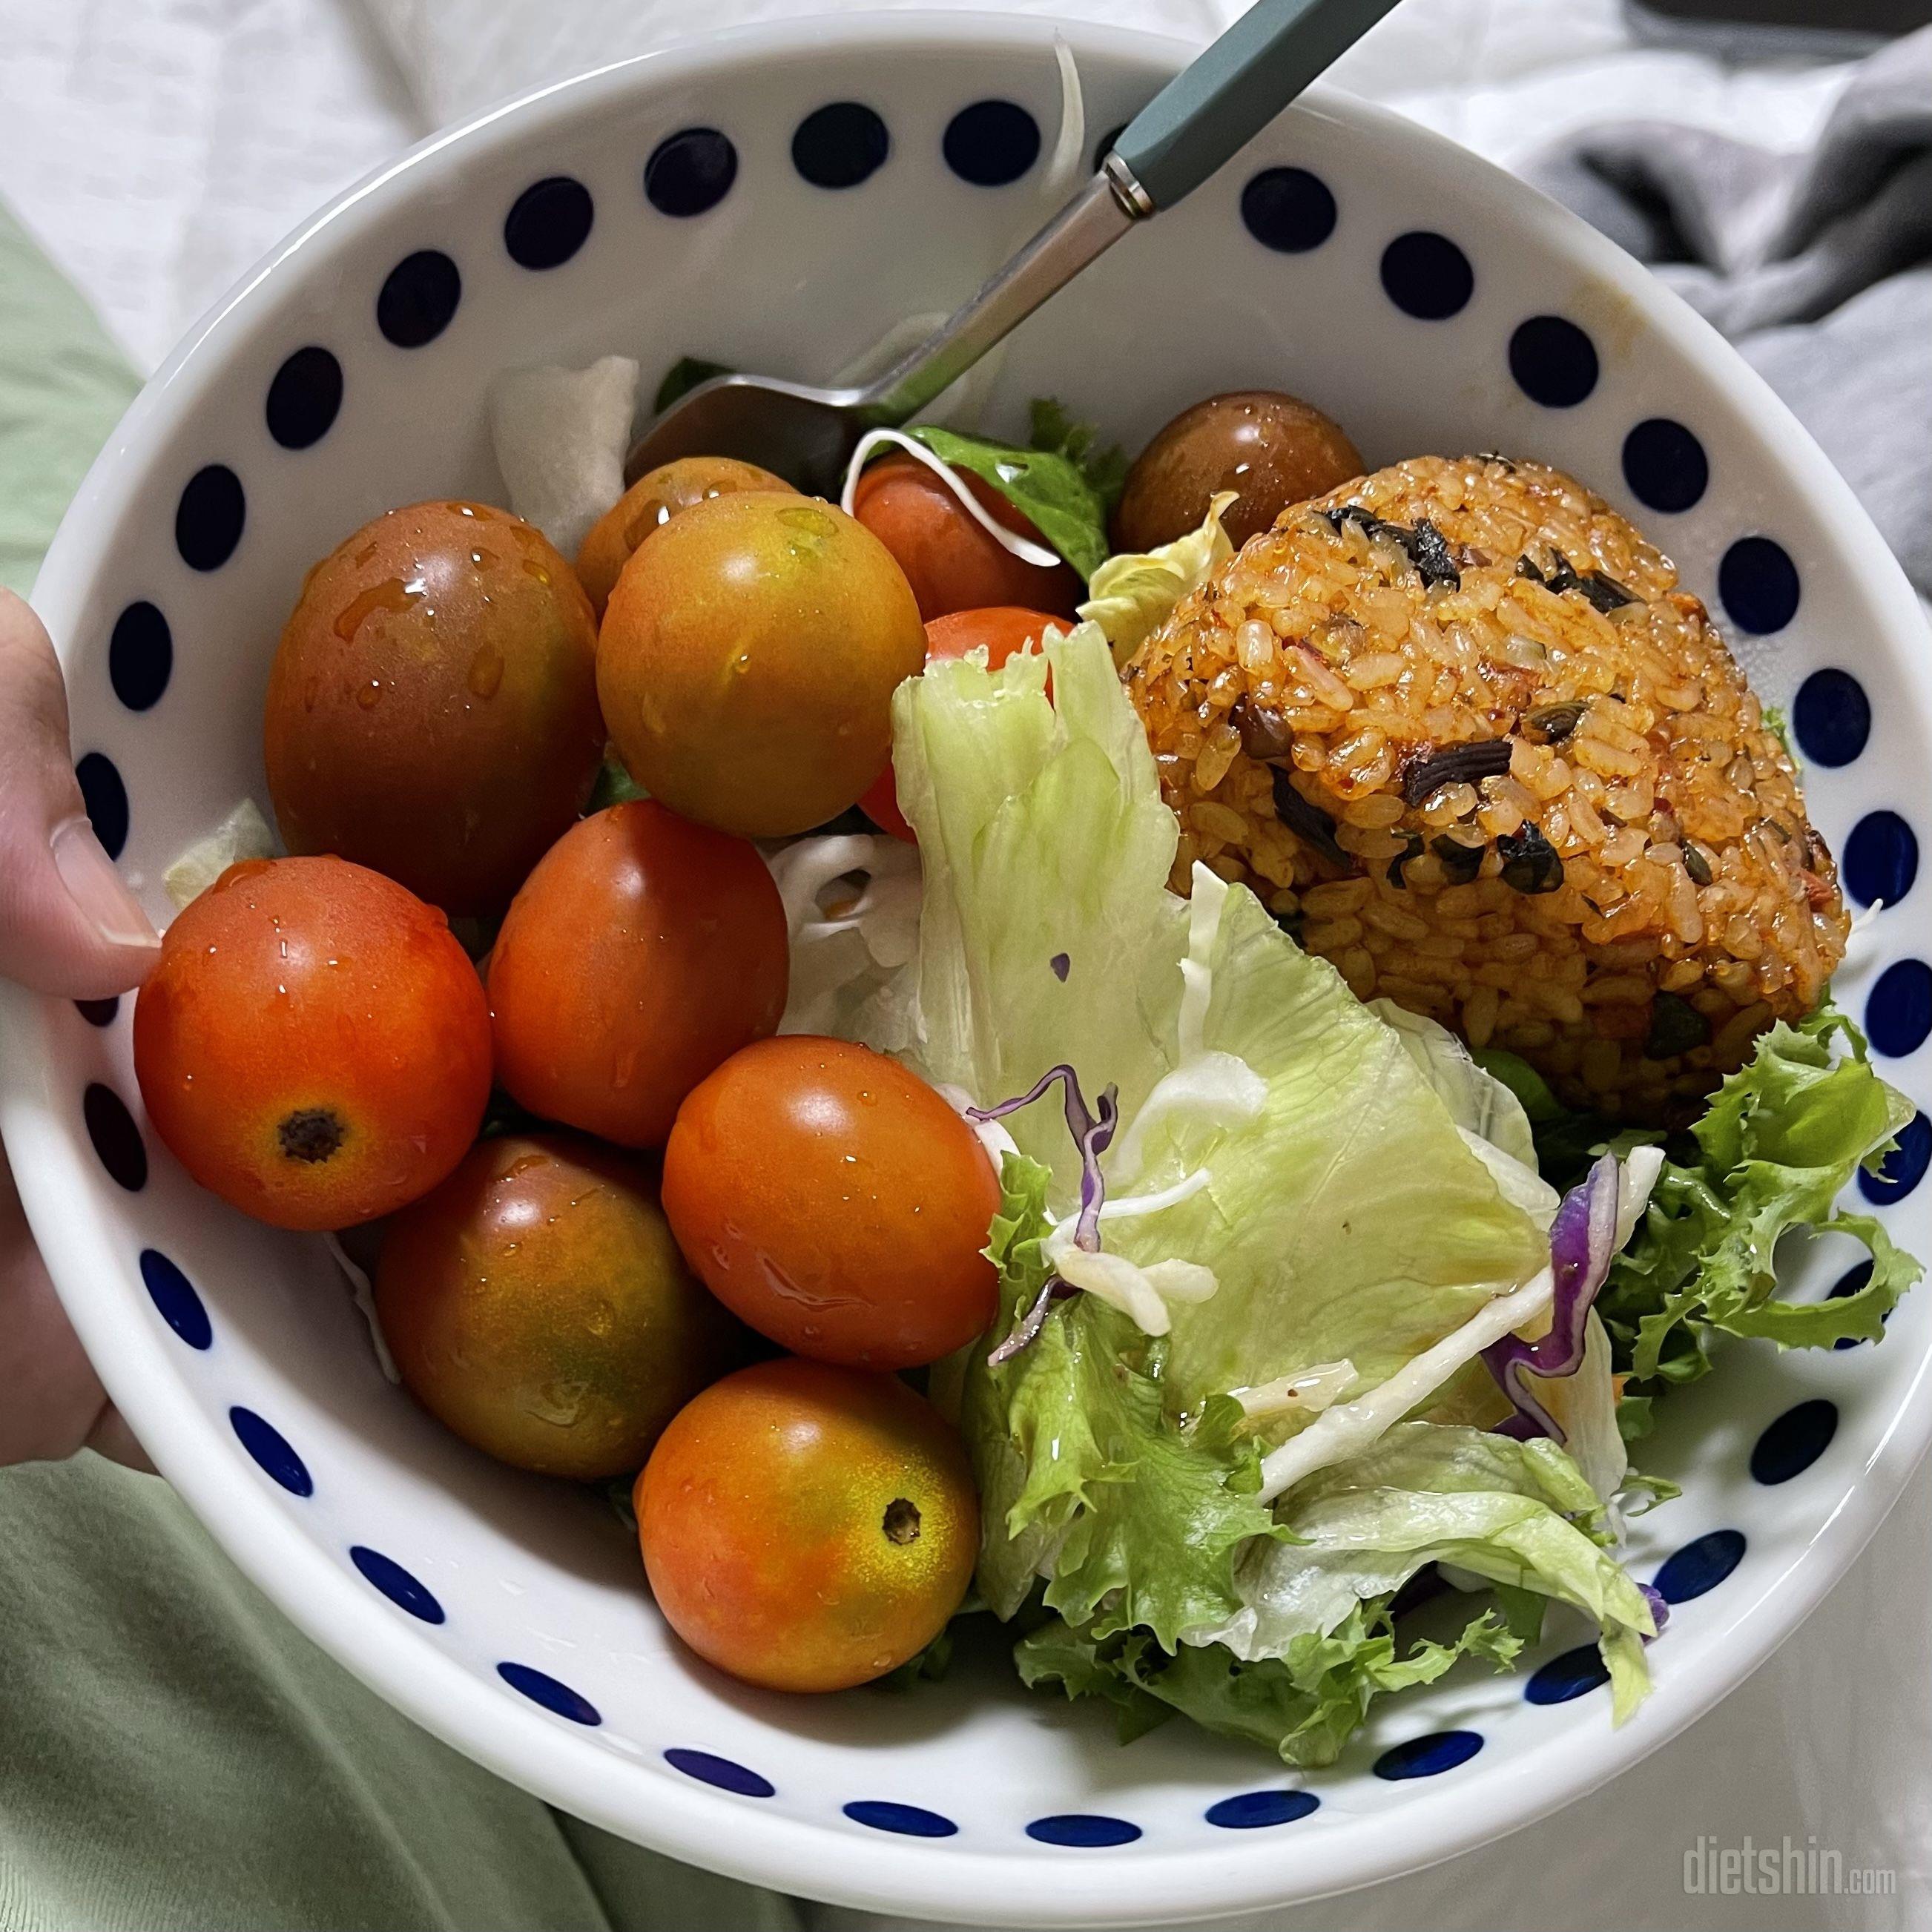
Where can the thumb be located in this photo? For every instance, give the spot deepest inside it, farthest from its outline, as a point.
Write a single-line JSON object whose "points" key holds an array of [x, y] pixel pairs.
{"points": [[68, 924]]}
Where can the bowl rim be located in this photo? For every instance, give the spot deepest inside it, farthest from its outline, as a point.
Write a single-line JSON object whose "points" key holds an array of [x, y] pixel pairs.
{"points": [[532, 1750]]}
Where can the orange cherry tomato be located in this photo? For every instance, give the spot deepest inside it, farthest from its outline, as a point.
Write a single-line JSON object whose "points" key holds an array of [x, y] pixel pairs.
{"points": [[808, 1528], [642, 952], [650, 503], [835, 1203], [951, 562], [314, 1046], [536, 1304], [1002, 630], [748, 659]]}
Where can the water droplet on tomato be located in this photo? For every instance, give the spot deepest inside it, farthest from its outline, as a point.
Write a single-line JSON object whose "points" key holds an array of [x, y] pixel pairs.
{"points": [[369, 695], [391, 595], [486, 671]]}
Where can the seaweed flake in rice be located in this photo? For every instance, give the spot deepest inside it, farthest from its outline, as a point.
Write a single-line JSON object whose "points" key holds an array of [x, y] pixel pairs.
{"points": [[1457, 725]]}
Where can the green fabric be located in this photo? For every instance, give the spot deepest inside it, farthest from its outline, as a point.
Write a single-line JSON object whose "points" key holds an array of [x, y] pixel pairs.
{"points": [[173, 1754], [175, 1757], [63, 386]]}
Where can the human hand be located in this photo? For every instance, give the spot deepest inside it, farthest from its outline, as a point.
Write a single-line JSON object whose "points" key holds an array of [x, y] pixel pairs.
{"points": [[68, 926]]}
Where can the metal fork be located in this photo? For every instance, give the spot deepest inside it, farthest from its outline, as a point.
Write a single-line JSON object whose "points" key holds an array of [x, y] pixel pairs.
{"points": [[1200, 119]]}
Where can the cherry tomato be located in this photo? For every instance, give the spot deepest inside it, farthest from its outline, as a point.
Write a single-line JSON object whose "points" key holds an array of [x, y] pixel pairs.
{"points": [[747, 661], [433, 708], [951, 562], [642, 952], [536, 1304], [808, 1528], [313, 1046], [1271, 449], [835, 1203], [1001, 630], [648, 504]]}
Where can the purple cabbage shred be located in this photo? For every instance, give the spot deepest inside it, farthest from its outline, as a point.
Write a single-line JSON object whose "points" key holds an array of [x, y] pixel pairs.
{"points": [[1583, 1243], [1092, 1129]]}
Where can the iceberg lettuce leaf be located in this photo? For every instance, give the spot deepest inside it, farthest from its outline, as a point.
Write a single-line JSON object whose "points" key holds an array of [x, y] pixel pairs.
{"points": [[1518, 1513], [1133, 593]]}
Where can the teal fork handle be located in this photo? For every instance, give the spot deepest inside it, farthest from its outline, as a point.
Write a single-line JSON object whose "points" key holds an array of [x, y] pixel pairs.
{"points": [[1215, 106]]}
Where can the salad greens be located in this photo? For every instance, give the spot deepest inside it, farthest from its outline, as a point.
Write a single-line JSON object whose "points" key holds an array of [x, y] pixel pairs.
{"points": [[1105, 466], [1296, 1666], [1351, 1197], [1052, 486], [1782, 1137], [1303, 1705], [1132, 593]]}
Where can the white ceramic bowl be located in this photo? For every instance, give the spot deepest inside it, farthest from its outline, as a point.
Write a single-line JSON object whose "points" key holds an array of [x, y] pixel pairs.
{"points": [[509, 1616]]}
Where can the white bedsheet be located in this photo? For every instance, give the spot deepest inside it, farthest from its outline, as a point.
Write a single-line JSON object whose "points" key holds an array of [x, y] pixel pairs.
{"points": [[158, 147]]}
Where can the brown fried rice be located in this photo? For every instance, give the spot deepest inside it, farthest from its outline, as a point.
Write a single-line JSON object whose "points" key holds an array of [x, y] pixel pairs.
{"points": [[1457, 726]]}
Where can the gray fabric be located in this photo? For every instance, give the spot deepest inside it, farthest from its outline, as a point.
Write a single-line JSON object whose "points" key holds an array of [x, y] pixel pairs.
{"points": [[1818, 266]]}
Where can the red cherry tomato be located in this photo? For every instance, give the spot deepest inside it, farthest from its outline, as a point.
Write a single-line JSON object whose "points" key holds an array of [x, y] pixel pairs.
{"points": [[808, 1528], [642, 952], [314, 1046], [1002, 630], [835, 1203], [951, 562]]}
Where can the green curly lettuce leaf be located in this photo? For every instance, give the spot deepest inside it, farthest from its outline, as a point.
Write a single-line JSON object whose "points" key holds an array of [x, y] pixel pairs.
{"points": [[1780, 1141], [1085, 1475], [1303, 1705], [1051, 427]]}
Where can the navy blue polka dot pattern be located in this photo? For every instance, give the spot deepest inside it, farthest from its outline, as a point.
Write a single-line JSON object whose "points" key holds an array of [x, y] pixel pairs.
{"points": [[140, 656], [548, 222], [991, 142], [1289, 210], [209, 517], [419, 299], [1665, 465], [910, 1821], [1757, 583], [174, 1297], [1427, 276], [1881, 859], [540, 1687], [1794, 1441], [406, 1591], [1902, 1169], [304, 398], [690, 172], [1429, 1757], [725, 1773], [840, 145], [1699, 1566], [117, 1141], [272, 1451], [1831, 717], [1898, 1014], [1572, 1674], [106, 799], [1086, 1829], [1849, 1282], [1249, 1810], [99, 1012], [1553, 362]]}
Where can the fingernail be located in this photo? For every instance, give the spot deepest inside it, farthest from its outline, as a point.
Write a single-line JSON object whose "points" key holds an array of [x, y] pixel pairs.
{"points": [[97, 888]]}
